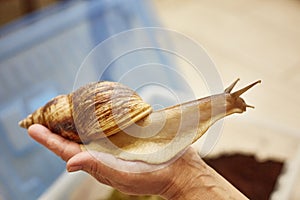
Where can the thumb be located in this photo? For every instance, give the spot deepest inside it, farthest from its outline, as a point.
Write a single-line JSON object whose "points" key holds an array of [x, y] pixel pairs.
{"points": [[82, 161], [78, 161], [95, 161], [87, 162], [90, 161], [97, 164]]}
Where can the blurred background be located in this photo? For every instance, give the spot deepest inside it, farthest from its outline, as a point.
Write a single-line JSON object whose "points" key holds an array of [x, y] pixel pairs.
{"points": [[43, 43]]}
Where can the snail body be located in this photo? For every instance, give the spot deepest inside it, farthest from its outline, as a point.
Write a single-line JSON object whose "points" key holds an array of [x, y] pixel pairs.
{"points": [[110, 117]]}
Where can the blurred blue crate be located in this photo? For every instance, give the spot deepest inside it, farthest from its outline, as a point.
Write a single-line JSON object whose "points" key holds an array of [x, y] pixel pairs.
{"points": [[39, 58]]}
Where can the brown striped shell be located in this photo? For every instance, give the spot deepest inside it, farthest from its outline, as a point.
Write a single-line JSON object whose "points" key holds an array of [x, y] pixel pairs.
{"points": [[93, 111]]}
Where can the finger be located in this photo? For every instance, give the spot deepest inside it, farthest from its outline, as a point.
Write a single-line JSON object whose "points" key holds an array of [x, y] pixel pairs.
{"points": [[57, 144]]}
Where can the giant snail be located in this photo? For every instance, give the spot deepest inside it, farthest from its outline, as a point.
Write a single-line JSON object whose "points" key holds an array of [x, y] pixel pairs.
{"points": [[110, 117]]}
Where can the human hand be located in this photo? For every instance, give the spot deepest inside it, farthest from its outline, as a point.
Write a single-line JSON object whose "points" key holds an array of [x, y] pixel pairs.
{"points": [[186, 177], [157, 180]]}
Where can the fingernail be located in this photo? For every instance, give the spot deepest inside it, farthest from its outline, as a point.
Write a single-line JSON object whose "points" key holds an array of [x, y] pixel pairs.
{"points": [[74, 168]]}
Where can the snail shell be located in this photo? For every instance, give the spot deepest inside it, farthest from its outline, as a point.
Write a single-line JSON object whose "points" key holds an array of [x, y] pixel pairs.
{"points": [[97, 109], [110, 117]]}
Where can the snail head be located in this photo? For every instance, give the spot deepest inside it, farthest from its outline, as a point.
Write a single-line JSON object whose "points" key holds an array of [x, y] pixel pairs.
{"points": [[235, 98]]}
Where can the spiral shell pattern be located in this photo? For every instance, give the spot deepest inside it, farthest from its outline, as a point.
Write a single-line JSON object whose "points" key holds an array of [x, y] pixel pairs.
{"points": [[93, 111]]}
